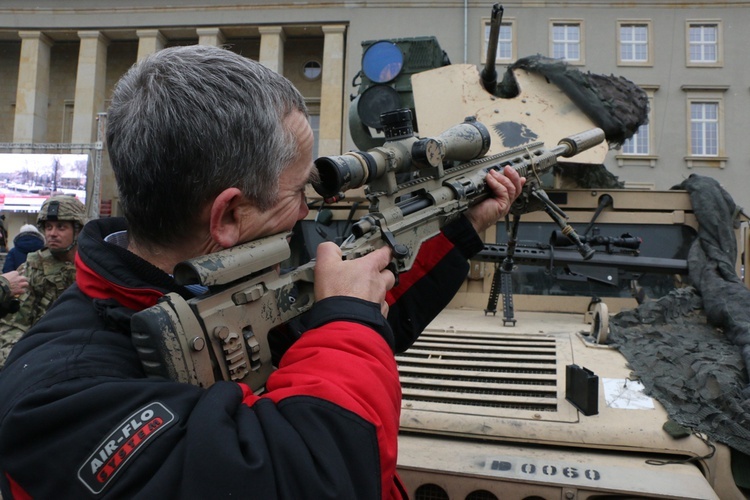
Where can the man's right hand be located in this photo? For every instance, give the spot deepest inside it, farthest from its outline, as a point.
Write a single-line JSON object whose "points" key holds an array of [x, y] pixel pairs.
{"points": [[365, 278], [18, 282]]}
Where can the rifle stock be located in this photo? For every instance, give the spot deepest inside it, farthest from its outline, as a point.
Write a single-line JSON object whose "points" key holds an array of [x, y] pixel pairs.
{"points": [[223, 335]]}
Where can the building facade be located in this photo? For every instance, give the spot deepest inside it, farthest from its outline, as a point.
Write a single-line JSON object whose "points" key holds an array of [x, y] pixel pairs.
{"points": [[58, 65]]}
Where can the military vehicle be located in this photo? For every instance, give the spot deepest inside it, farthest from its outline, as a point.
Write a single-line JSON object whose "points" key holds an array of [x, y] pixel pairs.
{"points": [[571, 388]]}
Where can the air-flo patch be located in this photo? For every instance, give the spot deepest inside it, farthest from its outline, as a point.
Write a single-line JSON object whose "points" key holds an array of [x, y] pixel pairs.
{"points": [[123, 443]]}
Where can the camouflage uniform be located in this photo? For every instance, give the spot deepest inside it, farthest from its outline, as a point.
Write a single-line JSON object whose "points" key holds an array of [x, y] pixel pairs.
{"points": [[48, 276], [8, 303]]}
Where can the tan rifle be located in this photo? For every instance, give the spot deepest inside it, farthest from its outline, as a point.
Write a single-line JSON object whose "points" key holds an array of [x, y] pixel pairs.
{"points": [[414, 187]]}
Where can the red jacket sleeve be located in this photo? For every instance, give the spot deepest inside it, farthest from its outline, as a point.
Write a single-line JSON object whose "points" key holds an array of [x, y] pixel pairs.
{"points": [[438, 272], [350, 364]]}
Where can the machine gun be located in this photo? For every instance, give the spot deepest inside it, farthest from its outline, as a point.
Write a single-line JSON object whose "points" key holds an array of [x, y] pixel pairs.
{"points": [[621, 255], [559, 253], [489, 73], [414, 187]]}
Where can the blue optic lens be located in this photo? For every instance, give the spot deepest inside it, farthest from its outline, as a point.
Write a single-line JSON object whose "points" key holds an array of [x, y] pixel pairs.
{"points": [[382, 62]]}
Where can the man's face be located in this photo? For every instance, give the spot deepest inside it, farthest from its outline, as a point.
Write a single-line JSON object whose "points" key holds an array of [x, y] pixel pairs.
{"points": [[291, 204], [59, 234]]}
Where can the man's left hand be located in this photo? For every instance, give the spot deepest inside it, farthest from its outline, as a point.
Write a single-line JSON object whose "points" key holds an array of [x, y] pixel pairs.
{"points": [[505, 187]]}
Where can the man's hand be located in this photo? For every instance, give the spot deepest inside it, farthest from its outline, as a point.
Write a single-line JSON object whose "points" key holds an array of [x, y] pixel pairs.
{"points": [[505, 187], [365, 278], [18, 282]]}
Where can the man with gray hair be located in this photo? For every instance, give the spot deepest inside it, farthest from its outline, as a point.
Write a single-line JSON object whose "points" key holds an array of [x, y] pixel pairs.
{"points": [[210, 150]]}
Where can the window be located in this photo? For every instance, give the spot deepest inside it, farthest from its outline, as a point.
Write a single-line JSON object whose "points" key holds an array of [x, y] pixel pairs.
{"points": [[704, 45], [634, 41], [67, 124], [638, 150], [639, 143], [312, 70], [315, 125], [567, 41], [313, 110], [705, 127], [506, 44]]}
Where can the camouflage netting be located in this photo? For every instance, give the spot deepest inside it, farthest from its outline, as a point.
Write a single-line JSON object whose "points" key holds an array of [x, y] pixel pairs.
{"points": [[691, 348], [588, 176], [613, 103]]}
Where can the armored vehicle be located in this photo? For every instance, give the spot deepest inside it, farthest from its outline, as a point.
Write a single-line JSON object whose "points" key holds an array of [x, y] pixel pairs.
{"points": [[555, 373]]}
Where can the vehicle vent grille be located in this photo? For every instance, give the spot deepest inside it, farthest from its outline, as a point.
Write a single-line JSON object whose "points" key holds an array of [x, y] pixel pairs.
{"points": [[456, 371]]}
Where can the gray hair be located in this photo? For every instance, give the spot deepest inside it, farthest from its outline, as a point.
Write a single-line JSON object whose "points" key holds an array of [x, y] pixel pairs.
{"points": [[185, 124]]}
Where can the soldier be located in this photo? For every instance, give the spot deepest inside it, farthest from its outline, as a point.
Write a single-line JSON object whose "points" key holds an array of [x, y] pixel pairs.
{"points": [[49, 271]]}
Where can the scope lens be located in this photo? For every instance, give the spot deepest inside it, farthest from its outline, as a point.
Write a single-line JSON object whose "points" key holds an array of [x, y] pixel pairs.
{"points": [[336, 174], [374, 101], [330, 176], [382, 62]]}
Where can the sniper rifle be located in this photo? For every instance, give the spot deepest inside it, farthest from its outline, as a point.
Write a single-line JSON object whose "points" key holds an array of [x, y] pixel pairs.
{"points": [[414, 187]]}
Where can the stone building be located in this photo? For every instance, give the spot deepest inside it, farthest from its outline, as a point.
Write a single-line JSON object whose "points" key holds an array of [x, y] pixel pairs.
{"points": [[58, 65]]}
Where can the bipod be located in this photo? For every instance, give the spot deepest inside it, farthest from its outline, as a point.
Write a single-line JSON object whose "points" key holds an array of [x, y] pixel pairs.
{"points": [[560, 219], [503, 277]]}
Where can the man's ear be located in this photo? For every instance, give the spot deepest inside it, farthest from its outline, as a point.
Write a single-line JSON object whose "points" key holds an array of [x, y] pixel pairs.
{"points": [[226, 217]]}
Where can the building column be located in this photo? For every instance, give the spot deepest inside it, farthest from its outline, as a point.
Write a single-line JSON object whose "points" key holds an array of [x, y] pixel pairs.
{"points": [[90, 82], [272, 40], [89, 100], [149, 41], [210, 36], [32, 95], [330, 134]]}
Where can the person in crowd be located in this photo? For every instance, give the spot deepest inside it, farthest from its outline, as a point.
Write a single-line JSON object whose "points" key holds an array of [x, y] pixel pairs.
{"points": [[49, 270], [209, 150], [28, 239]]}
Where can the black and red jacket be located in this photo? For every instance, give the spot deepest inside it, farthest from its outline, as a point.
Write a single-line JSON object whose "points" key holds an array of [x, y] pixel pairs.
{"points": [[80, 419]]}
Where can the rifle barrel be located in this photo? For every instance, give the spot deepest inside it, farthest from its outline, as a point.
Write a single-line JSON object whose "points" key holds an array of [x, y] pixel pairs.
{"points": [[489, 74]]}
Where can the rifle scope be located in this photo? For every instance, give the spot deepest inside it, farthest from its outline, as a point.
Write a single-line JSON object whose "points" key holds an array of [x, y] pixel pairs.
{"points": [[401, 153], [625, 241]]}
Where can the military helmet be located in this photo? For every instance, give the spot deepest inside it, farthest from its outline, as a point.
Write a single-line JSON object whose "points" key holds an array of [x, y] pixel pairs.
{"points": [[62, 208]]}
